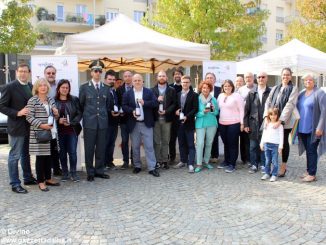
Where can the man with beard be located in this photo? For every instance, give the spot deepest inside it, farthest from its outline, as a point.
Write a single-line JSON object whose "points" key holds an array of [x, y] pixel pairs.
{"points": [[166, 98], [50, 73], [112, 132]]}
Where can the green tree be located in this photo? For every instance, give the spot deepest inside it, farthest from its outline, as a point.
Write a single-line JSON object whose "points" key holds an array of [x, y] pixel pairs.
{"points": [[231, 28], [16, 32], [310, 25]]}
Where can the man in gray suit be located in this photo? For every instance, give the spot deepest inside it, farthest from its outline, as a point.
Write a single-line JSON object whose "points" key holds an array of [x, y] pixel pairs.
{"points": [[96, 102]]}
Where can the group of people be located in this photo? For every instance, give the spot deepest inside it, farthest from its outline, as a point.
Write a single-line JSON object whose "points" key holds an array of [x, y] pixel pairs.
{"points": [[44, 120]]}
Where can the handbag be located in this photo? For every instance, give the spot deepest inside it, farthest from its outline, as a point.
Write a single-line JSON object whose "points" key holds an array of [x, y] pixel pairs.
{"points": [[294, 122], [43, 136]]}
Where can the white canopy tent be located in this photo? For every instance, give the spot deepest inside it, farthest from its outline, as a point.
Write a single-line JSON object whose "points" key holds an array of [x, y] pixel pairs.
{"points": [[124, 44], [300, 57]]}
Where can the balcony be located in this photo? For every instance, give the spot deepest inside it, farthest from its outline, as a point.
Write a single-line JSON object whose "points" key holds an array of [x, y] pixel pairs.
{"points": [[69, 21]]}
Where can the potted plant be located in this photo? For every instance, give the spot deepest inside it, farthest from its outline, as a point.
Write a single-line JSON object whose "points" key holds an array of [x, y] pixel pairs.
{"points": [[42, 13]]}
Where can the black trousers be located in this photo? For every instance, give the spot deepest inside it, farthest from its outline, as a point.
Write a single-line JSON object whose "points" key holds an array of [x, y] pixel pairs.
{"points": [[55, 164], [43, 168], [95, 143], [286, 146], [244, 147]]}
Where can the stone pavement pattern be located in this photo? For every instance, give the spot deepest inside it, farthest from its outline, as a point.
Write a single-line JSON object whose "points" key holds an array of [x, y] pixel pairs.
{"points": [[211, 207]]}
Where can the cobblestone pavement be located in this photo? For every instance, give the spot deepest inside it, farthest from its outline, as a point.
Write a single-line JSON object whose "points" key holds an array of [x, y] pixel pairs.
{"points": [[211, 207]]}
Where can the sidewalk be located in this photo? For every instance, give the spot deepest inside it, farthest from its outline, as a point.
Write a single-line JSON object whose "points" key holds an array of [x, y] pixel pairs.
{"points": [[211, 207]]}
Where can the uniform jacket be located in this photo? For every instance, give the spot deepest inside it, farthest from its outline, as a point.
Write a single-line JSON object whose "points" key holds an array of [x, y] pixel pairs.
{"points": [[129, 105], [95, 107], [37, 115], [13, 99], [190, 109], [169, 102], [254, 112]]}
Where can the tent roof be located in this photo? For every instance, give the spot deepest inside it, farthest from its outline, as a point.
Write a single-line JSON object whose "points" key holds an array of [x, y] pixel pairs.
{"points": [[127, 44], [295, 54]]}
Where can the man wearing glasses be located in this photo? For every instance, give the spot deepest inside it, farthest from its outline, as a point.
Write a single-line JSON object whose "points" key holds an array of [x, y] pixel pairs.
{"points": [[50, 75], [253, 119], [96, 102]]}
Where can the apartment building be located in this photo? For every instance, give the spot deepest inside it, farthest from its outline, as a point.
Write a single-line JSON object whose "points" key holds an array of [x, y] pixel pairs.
{"points": [[281, 13]]}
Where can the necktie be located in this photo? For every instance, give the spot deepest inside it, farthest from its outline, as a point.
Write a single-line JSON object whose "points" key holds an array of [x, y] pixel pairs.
{"points": [[97, 88]]}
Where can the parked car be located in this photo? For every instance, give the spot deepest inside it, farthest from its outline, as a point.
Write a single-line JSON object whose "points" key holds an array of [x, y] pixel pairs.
{"points": [[3, 126]]}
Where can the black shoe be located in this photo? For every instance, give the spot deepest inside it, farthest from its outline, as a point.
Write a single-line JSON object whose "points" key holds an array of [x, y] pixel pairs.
{"points": [[90, 178], [57, 172], [44, 189], [155, 173], [124, 166], [19, 189], [33, 181], [52, 184], [111, 166], [165, 165], [103, 176], [136, 170], [282, 175]]}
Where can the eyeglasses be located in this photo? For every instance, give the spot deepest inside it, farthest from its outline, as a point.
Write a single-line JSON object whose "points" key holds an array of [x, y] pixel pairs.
{"points": [[50, 73], [97, 70], [261, 77]]}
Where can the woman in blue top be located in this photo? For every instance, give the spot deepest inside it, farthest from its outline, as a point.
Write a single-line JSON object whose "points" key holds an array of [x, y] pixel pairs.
{"points": [[312, 125], [206, 124]]}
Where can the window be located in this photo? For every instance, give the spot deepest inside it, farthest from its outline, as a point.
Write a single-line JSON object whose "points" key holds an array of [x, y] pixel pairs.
{"points": [[60, 13], [263, 39], [138, 15], [111, 14], [279, 15], [81, 10], [279, 36]]}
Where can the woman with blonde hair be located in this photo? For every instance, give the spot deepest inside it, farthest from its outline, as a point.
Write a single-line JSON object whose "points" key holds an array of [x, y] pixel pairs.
{"points": [[41, 115]]}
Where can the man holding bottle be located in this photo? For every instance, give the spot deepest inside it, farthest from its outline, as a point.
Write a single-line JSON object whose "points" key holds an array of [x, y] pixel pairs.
{"points": [[166, 98], [139, 103], [187, 106]]}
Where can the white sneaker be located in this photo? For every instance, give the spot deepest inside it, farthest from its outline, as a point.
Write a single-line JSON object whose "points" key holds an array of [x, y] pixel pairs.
{"points": [[179, 165], [191, 169], [273, 178], [265, 177]]}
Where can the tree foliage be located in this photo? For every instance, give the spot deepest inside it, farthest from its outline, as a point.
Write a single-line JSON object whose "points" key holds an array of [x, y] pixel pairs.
{"points": [[310, 25], [16, 32], [230, 27]]}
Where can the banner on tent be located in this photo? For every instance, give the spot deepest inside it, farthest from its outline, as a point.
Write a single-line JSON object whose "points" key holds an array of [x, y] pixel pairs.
{"points": [[66, 66], [222, 69]]}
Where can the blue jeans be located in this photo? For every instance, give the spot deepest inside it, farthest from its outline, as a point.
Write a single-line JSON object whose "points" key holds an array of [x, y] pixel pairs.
{"points": [[125, 143], [230, 137], [257, 157], [271, 155], [112, 134], [19, 150], [68, 144], [186, 145], [311, 153]]}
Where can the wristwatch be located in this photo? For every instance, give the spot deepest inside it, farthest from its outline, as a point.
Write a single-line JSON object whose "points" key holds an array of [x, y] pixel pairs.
{"points": [[282, 122]]}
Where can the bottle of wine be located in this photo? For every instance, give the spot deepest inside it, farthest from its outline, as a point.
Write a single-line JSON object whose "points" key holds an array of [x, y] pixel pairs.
{"points": [[67, 116], [160, 106], [181, 116], [137, 111]]}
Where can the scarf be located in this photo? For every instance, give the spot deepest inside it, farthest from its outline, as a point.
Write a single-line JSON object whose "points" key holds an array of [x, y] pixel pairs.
{"points": [[284, 97], [205, 100]]}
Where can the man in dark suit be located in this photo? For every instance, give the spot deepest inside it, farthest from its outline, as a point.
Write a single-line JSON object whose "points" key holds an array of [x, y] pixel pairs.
{"points": [[125, 131], [13, 103], [210, 76], [112, 132], [165, 114], [96, 102], [139, 104], [187, 108]]}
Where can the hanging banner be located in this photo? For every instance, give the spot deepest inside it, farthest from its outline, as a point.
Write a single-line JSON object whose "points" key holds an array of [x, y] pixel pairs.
{"points": [[222, 69], [66, 66]]}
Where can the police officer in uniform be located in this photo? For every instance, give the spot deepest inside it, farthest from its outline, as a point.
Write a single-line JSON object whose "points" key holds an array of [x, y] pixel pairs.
{"points": [[96, 102]]}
